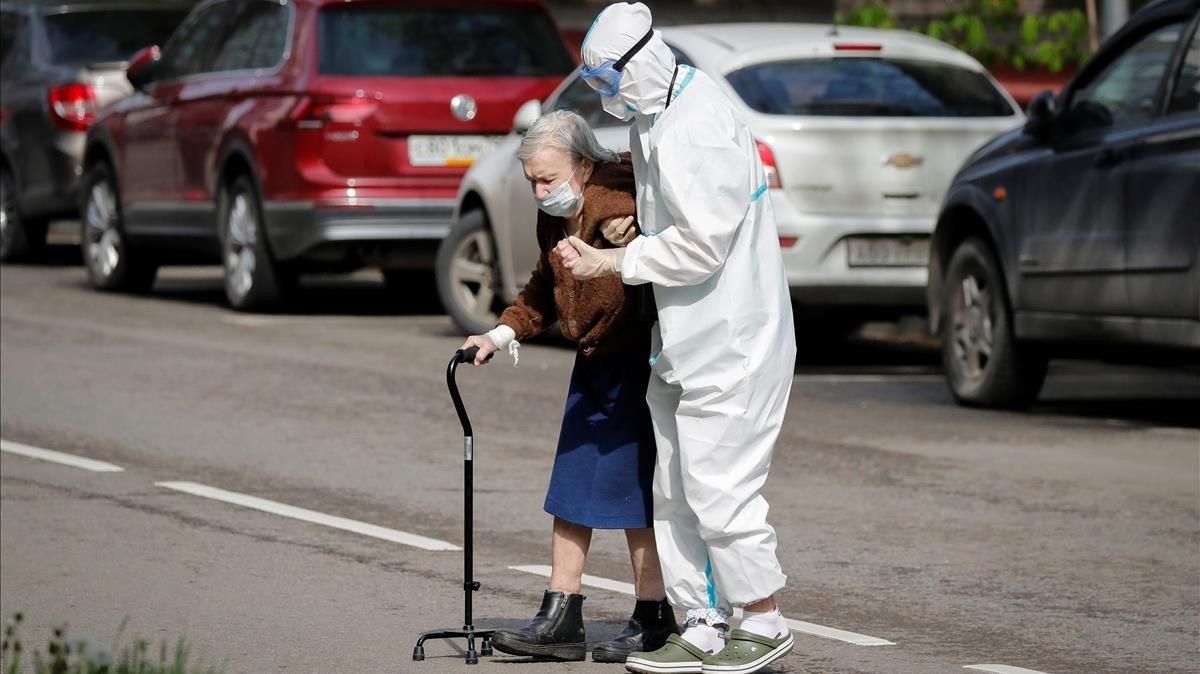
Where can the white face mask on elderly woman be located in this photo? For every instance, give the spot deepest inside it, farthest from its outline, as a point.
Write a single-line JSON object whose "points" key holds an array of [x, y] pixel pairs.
{"points": [[562, 201]]}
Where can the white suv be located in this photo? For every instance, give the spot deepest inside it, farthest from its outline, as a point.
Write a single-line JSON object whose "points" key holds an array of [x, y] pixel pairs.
{"points": [[861, 132]]}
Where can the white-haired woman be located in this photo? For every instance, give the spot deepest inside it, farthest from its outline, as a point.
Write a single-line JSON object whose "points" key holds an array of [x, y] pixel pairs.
{"points": [[605, 460]]}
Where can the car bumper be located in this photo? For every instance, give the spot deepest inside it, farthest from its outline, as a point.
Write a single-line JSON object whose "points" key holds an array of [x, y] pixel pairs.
{"points": [[296, 228], [59, 195], [818, 263]]}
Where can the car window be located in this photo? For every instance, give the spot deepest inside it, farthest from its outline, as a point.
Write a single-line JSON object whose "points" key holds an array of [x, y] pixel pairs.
{"points": [[257, 41], [107, 35], [868, 87], [681, 59], [188, 51], [581, 98], [1124, 91], [11, 25], [368, 39], [1186, 96]]}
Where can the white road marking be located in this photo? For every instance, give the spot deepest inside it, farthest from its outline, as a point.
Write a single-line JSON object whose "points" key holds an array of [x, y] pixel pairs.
{"points": [[796, 625], [590, 581], [313, 516], [59, 457], [1002, 669], [834, 633]]}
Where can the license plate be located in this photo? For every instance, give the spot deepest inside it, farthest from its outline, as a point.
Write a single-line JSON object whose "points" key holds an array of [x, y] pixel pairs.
{"points": [[449, 150], [888, 251]]}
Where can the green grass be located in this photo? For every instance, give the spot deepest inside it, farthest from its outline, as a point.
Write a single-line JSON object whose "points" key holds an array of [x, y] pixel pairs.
{"points": [[61, 656]]}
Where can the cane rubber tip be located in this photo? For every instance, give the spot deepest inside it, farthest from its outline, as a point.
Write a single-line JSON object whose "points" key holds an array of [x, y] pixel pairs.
{"points": [[472, 659], [418, 654]]}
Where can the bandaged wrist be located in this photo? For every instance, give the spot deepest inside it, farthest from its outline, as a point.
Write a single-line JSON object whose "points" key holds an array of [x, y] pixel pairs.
{"points": [[501, 335]]}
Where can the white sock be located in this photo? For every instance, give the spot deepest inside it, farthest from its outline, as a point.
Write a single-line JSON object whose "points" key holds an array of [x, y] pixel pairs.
{"points": [[768, 624], [705, 637]]}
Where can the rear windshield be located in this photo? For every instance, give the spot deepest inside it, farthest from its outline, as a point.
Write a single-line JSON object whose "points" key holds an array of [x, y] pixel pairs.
{"points": [[107, 35], [433, 41], [868, 87]]}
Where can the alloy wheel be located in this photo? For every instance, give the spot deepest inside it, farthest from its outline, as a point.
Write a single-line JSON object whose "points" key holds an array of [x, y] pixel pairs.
{"points": [[473, 275], [973, 326], [103, 242], [8, 211], [240, 245]]}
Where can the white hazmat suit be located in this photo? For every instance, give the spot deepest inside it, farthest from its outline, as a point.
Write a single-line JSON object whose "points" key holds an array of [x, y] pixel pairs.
{"points": [[724, 346]]}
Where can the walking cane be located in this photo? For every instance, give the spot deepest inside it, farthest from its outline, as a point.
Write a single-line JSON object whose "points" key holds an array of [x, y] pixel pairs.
{"points": [[470, 585]]}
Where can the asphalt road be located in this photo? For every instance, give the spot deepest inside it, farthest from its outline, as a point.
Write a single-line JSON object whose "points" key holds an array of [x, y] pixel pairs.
{"points": [[1065, 539]]}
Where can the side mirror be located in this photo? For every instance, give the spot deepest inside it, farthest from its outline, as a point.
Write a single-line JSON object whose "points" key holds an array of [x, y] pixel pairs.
{"points": [[142, 66], [529, 112], [1040, 116]]}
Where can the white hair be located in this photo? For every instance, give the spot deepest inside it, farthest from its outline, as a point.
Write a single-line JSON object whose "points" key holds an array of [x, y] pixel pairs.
{"points": [[567, 131]]}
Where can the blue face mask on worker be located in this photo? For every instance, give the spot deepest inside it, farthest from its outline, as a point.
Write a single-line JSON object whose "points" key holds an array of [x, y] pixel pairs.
{"points": [[562, 201], [605, 78]]}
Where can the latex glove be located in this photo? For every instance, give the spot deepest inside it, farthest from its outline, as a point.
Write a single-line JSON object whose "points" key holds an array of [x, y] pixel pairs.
{"points": [[486, 348], [619, 231], [589, 262]]}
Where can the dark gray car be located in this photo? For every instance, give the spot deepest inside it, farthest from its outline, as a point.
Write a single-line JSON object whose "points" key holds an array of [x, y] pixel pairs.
{"points": [[59, 64], [1079, 234]]}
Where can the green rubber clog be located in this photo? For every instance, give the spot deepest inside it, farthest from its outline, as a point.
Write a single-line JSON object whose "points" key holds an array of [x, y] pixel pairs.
{"points": [[678, 656], [746, 652]]}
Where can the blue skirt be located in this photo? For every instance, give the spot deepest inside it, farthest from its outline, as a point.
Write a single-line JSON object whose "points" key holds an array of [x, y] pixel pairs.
{"points": [[605, 461]]}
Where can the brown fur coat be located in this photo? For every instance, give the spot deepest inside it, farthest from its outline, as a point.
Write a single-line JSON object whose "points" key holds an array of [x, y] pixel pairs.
{"points": [[600, 314]]}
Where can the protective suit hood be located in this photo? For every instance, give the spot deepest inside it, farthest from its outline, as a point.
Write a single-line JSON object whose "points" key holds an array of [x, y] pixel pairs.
{"points": [[647, 76]]}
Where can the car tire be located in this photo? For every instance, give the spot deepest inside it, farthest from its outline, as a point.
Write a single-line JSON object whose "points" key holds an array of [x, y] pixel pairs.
{"points": [[20, 238], [253, 279], [111, 263], [468, 278], [984, 363]]}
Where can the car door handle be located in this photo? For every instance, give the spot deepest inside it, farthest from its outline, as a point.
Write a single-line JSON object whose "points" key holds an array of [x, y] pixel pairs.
{"points": [[1109, 158]]}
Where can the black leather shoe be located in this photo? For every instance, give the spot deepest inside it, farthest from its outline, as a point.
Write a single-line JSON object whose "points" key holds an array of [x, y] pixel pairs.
{"points": [[648, 628], [556, 632]]}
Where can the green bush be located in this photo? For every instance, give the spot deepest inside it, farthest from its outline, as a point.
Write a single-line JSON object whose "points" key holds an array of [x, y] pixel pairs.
{"points": [[63, 657], [996, 33]]}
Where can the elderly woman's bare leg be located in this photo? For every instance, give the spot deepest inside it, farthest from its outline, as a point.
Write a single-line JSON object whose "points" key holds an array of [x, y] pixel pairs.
{"points": [[647, 573], [568, 551]]}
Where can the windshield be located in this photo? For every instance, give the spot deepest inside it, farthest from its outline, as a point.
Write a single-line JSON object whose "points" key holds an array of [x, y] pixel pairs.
{"points": [[108, 35], [868, 87], [389, 40]]}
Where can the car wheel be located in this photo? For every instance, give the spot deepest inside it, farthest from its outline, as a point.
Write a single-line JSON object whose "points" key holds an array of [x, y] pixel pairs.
{"points": [[252, 282], [104, 247], [985, 365], [467, 276], [19, 238]]}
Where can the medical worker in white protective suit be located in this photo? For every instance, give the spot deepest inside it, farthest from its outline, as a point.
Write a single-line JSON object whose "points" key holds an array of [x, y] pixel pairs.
{"points": [[724, 347]]}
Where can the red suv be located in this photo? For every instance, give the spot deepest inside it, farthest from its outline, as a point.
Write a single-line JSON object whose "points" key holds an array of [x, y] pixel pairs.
{"points": [[285, 136]]}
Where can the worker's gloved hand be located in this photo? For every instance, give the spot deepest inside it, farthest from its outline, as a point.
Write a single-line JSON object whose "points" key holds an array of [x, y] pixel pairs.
{"points": [[620, 231], [588, 262], [486, 348]]}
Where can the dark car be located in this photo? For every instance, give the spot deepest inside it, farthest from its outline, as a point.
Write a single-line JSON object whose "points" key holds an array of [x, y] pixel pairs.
{"points": [[61, 62], [1080, 233], [285, 136]]}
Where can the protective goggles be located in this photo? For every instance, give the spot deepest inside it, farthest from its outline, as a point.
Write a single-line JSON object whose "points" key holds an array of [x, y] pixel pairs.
{"points": [[605, 78]]}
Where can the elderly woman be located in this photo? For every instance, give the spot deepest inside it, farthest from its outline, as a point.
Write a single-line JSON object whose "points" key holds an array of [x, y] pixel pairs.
{"points": [[605, 460]]}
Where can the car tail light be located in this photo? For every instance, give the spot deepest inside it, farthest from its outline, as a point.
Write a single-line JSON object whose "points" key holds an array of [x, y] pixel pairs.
{"points": [[788, 241], [769, 166], [857, 46], [316, 111], [73, 106]]}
